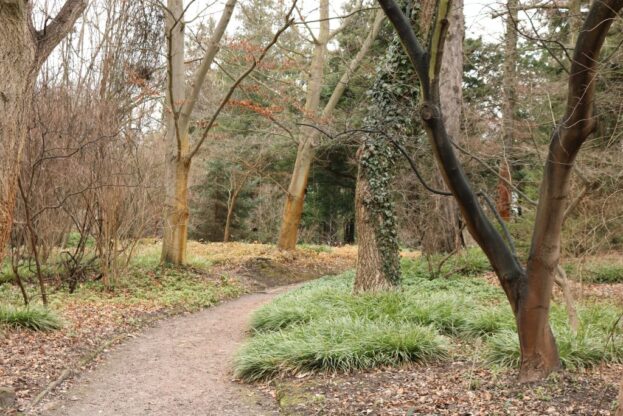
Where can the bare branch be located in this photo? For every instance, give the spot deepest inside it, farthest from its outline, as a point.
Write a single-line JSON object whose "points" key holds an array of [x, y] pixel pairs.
{"points": [[234, 86], [52, 34]]}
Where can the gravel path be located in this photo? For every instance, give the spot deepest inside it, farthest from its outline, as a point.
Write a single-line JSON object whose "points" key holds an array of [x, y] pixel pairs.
{"points": [[179, 367]]}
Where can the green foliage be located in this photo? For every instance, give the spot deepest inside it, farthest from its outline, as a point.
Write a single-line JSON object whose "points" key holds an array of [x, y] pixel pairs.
{"points": [[323, 326], [146, 282], [34, 318], [342, 343], [184, 288]]}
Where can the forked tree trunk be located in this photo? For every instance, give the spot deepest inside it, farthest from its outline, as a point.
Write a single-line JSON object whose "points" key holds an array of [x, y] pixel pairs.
{"points": [[295, 199], [528, 291], [22, 50]]}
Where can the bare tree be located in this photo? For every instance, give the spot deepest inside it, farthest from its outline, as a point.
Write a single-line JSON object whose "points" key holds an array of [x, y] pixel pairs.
{"points": [[528, 290], [24, 49], [180, 103], [309, 137]]}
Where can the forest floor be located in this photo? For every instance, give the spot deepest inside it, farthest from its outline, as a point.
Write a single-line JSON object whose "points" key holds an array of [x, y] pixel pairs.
{"points": [[96, 319], [465, 385], [182, 365]]}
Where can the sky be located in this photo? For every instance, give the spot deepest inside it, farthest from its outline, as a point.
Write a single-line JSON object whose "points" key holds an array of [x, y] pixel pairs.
{"points": [[478, 20]]}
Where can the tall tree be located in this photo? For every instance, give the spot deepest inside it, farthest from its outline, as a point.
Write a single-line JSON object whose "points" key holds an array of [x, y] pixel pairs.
{"points": [[509, 80], [394, 97], [528, 290], [443, 232], [309, 137], [180, 103], [23, 50]]}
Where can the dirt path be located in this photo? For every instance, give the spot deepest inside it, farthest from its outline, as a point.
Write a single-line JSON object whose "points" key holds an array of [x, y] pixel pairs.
{"points": [[179, 367]]}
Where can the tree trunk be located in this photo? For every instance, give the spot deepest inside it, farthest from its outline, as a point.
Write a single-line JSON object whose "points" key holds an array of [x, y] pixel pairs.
{"points": [[443, 232], [293, 209], [177, 214], [177, 165], [231, 206], [16, 87], [378, 266], [504, 199], [23, 51], [295, 199]]}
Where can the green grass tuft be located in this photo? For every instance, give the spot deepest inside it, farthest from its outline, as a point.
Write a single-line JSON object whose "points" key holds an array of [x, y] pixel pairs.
{"points": [[599, 339], [35, 318], [342, 344]]}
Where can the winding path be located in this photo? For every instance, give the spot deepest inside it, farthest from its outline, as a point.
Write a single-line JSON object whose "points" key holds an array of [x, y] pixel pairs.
{"points": [[179, 367]]}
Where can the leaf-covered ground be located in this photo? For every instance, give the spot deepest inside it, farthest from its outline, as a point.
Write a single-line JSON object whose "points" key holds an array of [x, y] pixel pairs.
{"points": [[457, 388], [93, 316]]}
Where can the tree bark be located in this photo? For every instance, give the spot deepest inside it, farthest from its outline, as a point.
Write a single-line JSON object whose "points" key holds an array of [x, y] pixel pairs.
{"points": [[23, 51], [504, 199], [443, 231], [378, 258], [293, 209], [370, 262]]}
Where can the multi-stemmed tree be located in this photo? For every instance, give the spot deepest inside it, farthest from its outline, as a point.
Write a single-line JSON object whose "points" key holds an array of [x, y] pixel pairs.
{"points": [[529, 288]]}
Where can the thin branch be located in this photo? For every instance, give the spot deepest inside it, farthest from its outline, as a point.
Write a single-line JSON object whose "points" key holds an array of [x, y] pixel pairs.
{"points": [[234, 86]]}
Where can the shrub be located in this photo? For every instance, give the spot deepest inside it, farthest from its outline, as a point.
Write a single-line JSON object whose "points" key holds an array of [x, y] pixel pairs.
{"points": [[597, 340]]}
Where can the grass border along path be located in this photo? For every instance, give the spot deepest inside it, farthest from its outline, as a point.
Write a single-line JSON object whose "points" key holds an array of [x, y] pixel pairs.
{"points": [[322, 326]]}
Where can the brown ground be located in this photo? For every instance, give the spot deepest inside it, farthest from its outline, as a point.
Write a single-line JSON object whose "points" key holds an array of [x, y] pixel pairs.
{"points": [[179, 367], [457, 388], [30, 361]]}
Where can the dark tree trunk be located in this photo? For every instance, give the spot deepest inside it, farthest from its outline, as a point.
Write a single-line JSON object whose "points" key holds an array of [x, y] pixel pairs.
{"points": [[528, 291]]}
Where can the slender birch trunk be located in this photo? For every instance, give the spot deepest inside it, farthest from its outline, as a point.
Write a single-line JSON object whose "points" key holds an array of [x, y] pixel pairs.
{"points": [[504, 199]]}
